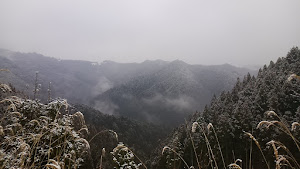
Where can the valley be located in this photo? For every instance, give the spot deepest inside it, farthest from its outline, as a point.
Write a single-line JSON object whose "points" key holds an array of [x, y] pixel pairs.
{"points": [[154, 106]]}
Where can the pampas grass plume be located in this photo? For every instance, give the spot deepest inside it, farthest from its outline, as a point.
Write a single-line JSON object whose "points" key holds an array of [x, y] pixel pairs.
{"points": [[194, 127], [209, 126], [294, 125]]}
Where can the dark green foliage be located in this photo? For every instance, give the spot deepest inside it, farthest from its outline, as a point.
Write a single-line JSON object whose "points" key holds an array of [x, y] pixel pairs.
{"points": [[141, 137], [241, 110]]}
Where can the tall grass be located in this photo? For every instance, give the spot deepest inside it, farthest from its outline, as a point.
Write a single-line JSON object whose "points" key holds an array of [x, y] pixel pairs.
{"points": [[124, 157], [282, 155], [34, 135]]}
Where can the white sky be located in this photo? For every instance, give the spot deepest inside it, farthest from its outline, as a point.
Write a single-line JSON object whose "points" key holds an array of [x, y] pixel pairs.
{"points": [[239, 32]]}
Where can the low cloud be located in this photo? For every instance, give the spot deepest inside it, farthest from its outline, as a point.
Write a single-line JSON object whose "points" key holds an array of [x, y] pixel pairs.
{"points": [[102, 86], [179, 103], [107, 107], [150, 117]]}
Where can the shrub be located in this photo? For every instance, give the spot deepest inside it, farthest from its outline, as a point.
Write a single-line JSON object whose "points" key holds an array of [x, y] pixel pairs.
{"points": [[36, 135]]}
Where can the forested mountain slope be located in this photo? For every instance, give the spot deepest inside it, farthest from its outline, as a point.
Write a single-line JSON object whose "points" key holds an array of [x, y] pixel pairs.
{"points": [[78, 77], [154, 91], [83, 79], [170, 94], [241, 110]]}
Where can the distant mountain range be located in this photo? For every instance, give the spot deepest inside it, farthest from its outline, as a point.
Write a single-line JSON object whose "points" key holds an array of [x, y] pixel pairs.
{"points": [[169, 94], [155, 91]]}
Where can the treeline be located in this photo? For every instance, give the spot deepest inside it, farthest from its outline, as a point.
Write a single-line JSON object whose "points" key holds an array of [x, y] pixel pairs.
{"points": [[234, 115]]}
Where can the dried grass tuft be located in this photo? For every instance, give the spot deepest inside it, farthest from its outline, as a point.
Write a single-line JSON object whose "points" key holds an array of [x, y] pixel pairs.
{"points": [[271, 113], [53, 164], [294, 125], [194, 127], [234, 166]]}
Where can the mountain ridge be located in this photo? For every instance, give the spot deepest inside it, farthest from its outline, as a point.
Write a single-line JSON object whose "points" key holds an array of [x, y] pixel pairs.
{"points": [[181, 87], [144, 85]]}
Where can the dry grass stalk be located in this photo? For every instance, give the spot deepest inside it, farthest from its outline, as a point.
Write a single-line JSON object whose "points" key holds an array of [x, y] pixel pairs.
{"points": [[53, 164], [238, 161], [272, 143], [282, 146], [167, 147], [272, 113], [209, 149], [115, 134], [283, 161], [209, 126], [258, 145], [101, 157], [250, 156], [194, 127], [293, 76], [280, 125], [263, 123], [234, 166], [194, 148], [105, 131]]}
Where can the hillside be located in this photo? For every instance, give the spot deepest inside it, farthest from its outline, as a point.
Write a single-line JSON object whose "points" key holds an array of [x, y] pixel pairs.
{"points": [[83, 79], [241, 110], [170, 94], [154, 91], [76, 76]]}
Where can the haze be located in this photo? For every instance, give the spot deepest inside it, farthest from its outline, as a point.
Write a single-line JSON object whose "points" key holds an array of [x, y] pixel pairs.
{"points": [[199, 32]]}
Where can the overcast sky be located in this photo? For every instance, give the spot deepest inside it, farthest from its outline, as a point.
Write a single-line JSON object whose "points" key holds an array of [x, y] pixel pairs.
{"points": [[238, 32]]}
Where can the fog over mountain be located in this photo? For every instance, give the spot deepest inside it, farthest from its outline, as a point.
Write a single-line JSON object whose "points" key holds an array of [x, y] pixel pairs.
{"points": [[157, 91], [169, 94], [198, 32]]}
